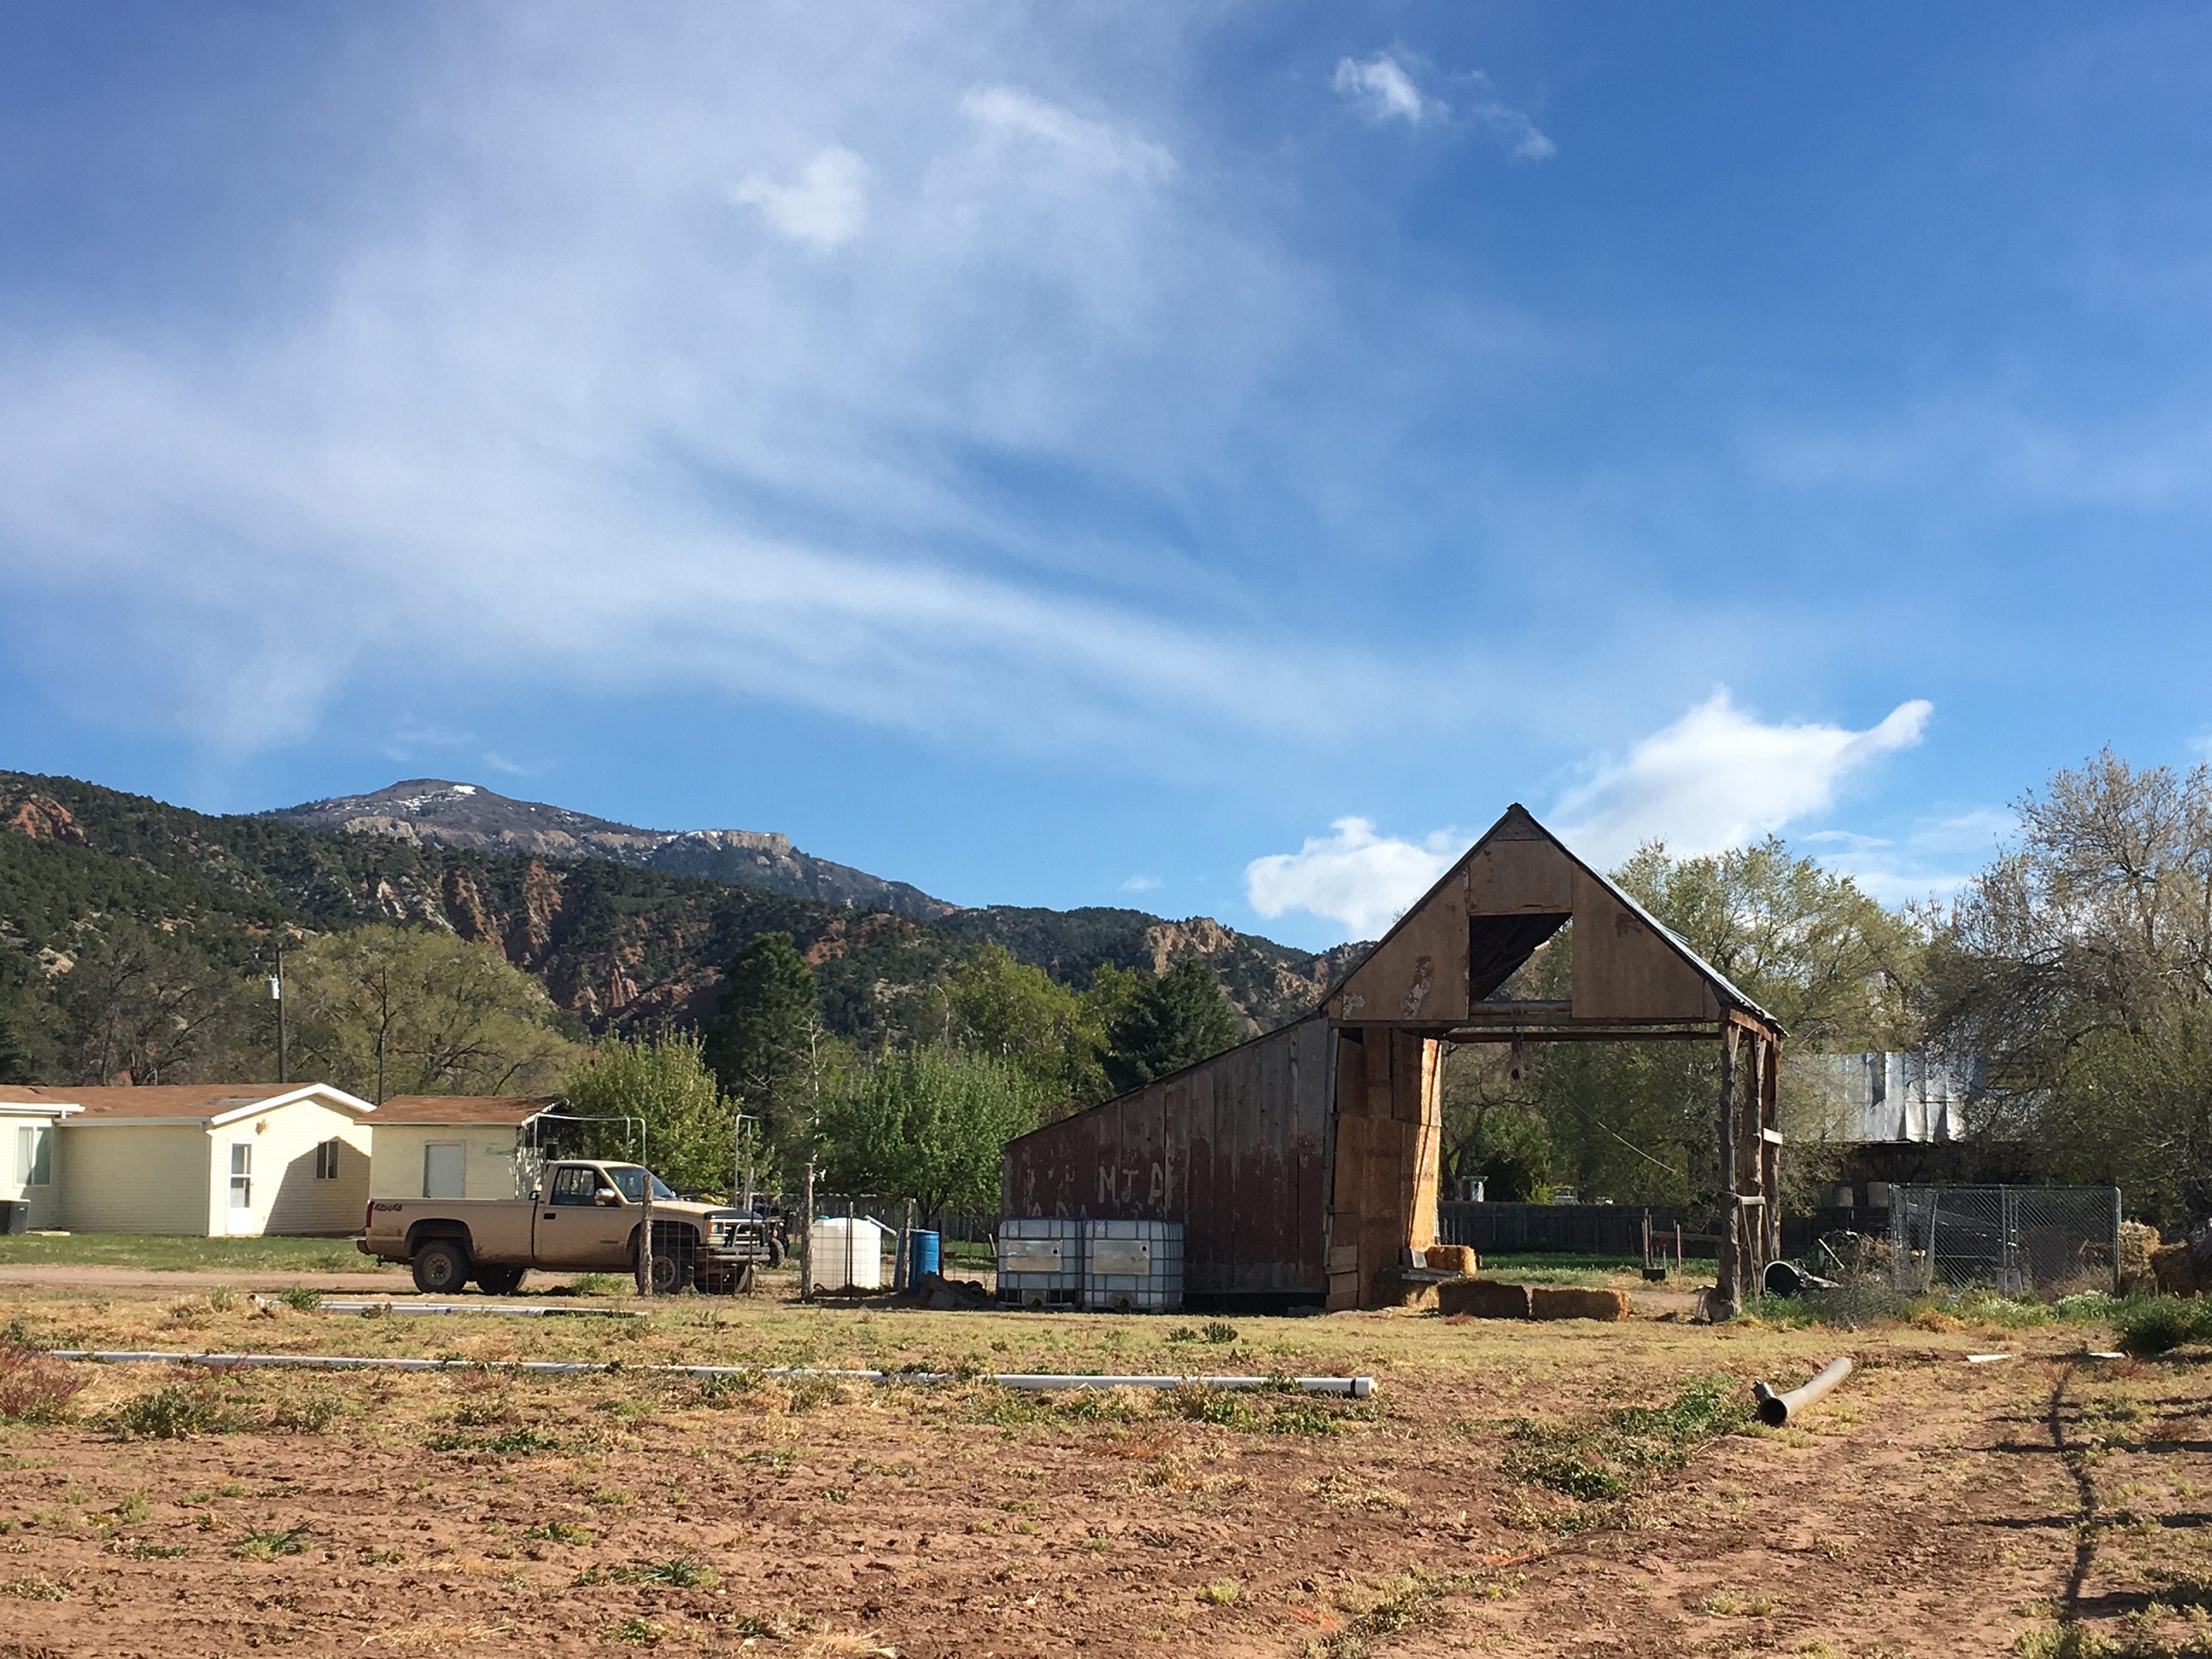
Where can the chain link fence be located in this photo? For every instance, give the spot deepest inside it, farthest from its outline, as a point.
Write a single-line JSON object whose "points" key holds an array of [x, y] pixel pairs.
{"points": [[2017, 1241]]}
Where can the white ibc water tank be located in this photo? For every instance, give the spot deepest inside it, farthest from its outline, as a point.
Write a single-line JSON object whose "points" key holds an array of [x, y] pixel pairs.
{"points": [[1132, 1267], [1041, 1261], [846, 1253]]}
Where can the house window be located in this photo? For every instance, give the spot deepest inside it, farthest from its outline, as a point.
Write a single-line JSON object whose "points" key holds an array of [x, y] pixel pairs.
{"points": [[241, 1175], [326, 1161], [34, 1154]]}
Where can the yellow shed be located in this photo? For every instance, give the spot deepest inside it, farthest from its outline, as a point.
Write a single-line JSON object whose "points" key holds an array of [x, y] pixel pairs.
{"points": [[455, 1146], [209, 1159]]}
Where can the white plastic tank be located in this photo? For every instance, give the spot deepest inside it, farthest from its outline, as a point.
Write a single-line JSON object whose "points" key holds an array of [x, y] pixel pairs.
{"points": [[1132, 1267], [1041, 1263], [846, 1253]]}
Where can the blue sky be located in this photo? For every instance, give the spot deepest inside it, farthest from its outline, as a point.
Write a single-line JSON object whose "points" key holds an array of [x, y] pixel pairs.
{"points": [[1211, 457]]}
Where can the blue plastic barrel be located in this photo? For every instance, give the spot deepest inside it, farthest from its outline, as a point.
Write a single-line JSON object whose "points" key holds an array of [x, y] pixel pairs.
{"points": [[924, 1249]]}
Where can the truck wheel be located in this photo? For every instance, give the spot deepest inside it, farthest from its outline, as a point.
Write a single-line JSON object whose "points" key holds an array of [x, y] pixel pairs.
{"points": [[671, 1269], [500, 1281], [442, 1268], [775, 1251]]}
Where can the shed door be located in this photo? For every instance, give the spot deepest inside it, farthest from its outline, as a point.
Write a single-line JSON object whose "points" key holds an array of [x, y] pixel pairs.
{"points": [[445, 1164]]}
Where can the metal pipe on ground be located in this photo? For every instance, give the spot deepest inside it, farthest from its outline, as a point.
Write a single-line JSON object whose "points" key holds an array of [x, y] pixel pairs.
{"points": [[1358, 1388], [1777, 1409]]}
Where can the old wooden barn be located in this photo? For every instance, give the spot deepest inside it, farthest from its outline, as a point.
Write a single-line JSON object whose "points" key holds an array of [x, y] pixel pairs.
{"points": [[1303, 1163]]}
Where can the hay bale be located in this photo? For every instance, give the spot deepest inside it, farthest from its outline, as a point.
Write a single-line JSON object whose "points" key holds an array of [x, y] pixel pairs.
{"points": [[2137, 1241], [1483, 1299], [2174, 1267], [1571, 1301], [1452, 1258]]}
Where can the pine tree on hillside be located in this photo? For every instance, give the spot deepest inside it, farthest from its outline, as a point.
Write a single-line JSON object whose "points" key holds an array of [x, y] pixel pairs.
{"points": [[1171, 1022], [760, 1044]]}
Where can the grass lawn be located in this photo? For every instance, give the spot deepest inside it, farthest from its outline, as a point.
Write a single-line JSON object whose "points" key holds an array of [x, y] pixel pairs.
{"points": [[196, 1255], [1557, 1267]]}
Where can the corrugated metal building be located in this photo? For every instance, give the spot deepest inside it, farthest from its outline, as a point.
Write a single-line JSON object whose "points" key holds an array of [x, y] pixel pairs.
{"points": [[1303, 1162], [1872, 1098]]}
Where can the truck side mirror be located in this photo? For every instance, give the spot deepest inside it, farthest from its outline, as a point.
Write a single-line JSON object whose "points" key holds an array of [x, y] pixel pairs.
{"points": [[606, 1195]]}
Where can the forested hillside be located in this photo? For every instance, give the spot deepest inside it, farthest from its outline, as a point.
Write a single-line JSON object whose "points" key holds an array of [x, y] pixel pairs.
{"points": [[171, 904]]}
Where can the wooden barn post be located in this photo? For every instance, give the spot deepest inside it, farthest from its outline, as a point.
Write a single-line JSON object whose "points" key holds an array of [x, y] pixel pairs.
{"points": [[1727, 1286], [1769, 1163]]}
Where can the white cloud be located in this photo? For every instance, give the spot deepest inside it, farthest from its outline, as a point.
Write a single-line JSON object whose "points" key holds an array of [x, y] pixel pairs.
{"points": [[1717, 778], [538, 404], [1933, 860], [1384, 91], [1356, 877], [1526, 141], [827, 206], [1011, 111], [1140, 883]]}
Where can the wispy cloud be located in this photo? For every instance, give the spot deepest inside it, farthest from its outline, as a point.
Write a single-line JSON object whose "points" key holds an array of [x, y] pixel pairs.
{"points": [[1355, 877], [1011, 113], [1717, 778], [1381, 89], [828, 206], [650, 449], [1140, 883], [1526, 141]]}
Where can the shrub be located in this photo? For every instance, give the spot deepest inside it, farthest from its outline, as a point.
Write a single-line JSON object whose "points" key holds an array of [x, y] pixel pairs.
{"points": [[35, 1389], [176, 1411], [258, 1545], [34, 1587], [303, 1299], [307, 1413], [2159, 1322], [594, 1285]]}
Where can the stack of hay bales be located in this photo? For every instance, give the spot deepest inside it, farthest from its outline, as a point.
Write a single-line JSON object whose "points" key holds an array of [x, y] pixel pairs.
{"points": [[2137, 1241], [1491, 1298]]}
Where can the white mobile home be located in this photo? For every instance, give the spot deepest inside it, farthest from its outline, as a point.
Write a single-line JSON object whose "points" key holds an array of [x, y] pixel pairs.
{"points": [[207, 1159]]}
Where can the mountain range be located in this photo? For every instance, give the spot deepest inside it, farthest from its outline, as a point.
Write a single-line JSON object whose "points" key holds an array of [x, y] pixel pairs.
{"points": [[469, 815], [620, 942]]}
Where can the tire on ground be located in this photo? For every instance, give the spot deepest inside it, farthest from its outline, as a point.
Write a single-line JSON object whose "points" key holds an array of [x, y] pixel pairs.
{"points": [[500, 1281], [441, 1266]]}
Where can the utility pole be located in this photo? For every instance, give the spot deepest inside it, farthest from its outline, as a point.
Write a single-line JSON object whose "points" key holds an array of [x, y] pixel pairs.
{"points": [[741, 1172], [645, 1236], [806, 1238], [276, 996]]}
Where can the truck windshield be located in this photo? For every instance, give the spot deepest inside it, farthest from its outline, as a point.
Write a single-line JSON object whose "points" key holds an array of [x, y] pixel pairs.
{"points": [[629, 1180]]}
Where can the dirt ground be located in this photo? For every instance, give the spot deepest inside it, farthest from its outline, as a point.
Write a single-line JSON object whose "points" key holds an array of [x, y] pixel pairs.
{"points": [[1504, 1491]]}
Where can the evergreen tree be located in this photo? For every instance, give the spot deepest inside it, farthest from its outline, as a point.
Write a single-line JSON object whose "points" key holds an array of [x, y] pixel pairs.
{"points": [[761, 1044], [1169, 1022], [15, 1059]]}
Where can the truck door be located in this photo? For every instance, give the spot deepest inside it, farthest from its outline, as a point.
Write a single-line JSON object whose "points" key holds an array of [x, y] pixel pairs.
{"points": [[571, 1229]]}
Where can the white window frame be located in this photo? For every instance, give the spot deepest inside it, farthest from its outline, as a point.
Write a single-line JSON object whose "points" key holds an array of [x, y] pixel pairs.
{"points": [[241, 1176], [34, 1148], [327, 1159], [460, 1146]]}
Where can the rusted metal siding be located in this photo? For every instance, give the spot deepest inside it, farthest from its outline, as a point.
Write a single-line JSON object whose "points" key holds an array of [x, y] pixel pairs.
{"points": [[1235, 1148]]}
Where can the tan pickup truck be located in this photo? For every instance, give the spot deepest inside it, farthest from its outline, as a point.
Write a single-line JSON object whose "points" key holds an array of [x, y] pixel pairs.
{"points": [[584, 1217]]}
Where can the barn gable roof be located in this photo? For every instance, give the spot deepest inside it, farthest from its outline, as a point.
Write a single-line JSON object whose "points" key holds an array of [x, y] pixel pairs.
{"points": [[1515, 888]]}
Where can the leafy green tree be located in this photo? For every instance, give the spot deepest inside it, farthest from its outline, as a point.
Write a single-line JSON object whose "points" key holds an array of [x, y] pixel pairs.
{"points": [[690, 1124], [921, 1126], [1168, 1022], [453, 1018], [2079, 967], [764, 1043], [1050, 1032], [145, 1004]]}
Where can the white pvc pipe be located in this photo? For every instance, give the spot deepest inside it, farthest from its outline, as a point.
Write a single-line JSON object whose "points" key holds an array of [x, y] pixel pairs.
{"points": [[1358, 1388]]}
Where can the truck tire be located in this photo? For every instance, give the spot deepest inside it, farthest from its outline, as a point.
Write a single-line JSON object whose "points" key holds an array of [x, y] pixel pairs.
{"points": [[500, 1281], [441, 1266], [671, 1267]]}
